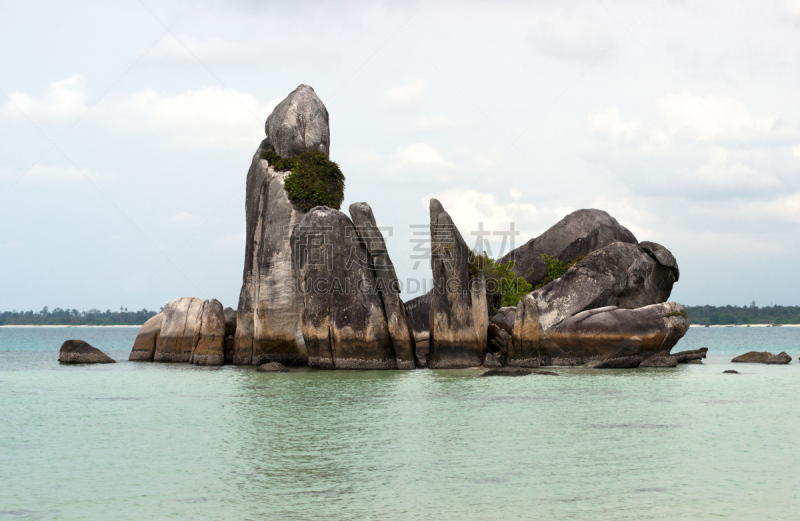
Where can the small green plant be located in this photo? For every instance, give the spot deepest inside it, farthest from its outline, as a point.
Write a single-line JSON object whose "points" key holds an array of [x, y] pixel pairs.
{"points": [[315, 180], [555, 268], [503, 286], [677, 314]]}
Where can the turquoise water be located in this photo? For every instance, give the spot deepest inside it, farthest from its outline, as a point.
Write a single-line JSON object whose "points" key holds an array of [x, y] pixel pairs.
{"points": [[162, 441]]}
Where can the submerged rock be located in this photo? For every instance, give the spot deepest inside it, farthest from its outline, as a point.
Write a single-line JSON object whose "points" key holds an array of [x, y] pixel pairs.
{"points": [[459, 315], [272, 367], [80, 352], [387, 285], [730, 371], [516, 371], [578, 234], [342, 318], [755, 357]]}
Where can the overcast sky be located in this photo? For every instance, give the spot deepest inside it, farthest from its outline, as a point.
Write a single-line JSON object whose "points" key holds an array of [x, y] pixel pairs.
{"points": [[127, 129]]}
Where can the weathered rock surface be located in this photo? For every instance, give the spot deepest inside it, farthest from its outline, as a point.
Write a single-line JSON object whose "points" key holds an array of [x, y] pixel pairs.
{"points": [[755, 357], [577, 234], [684, 357], [268, 315], [628, 354], [459, 316], [660, 359], [516, 371], [620, 274], [662, 255], [299, 122], [182, 317], [144, 347], [504, 318], [80, 352], [272, 367], [524, 350], [419, 315], [387, 285], [208, 346], [230, 333], [342, 319]]}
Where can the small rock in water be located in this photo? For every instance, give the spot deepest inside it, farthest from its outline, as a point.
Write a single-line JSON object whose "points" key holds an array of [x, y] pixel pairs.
{"points": [[80, 352], [731, 371], [272, 367], [695, 361], [515, 371], [755, 357]]}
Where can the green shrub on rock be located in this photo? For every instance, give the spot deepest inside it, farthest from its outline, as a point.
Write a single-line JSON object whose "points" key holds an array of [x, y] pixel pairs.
{"points": [[315, 180], [555, 268], [503, 286]]}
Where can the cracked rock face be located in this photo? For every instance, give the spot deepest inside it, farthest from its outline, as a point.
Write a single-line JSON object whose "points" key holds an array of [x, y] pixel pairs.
{"points": [[299, 122], [342, 317], [579, 233], [459, 317]]}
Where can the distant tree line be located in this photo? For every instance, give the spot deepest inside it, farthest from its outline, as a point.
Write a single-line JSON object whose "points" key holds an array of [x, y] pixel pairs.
{"points": [[752, 314], [73, 317]]}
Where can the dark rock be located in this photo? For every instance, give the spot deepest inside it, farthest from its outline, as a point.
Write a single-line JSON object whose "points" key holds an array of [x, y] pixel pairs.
{"points": [[695, 361], [342, 319], [730, 371], [268, 314], [419, 314], [492, 360], [459, 316], [660, 359], [662, 255], [387, 285], [144, 347], [755, 357], [230, 333], [620, 274], [516, 371], [79, 352], [299, 122], [628, 354], [272, 367], [684, 357], [504, 318], [577, 234]]}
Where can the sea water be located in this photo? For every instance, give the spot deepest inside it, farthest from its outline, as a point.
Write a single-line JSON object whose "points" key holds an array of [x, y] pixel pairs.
{"points": [[138, 440]]}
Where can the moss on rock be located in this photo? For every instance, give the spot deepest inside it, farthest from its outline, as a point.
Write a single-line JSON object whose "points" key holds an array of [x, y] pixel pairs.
{"points": [[315, 180]]}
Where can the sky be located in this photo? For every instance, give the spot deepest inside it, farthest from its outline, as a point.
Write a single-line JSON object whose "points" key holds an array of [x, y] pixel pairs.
{"points": [[127, 129]]}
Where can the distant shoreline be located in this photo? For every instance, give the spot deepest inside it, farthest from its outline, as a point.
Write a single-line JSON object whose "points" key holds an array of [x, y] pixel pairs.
{"points": [[67, 325]]}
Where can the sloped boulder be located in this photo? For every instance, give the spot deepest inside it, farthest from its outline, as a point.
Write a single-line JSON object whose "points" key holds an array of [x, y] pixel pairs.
{"points": [[387, 285], [459, 315], [578, 234], [342, 318], [298, 123], [268, 314], [80, 352], [144, 347]]}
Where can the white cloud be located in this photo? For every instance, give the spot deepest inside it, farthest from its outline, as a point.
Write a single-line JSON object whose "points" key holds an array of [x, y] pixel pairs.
{"points": [[470, 208], [706, 116], [184, 218], [408, 95], [62, 100], [420, 154], [434, 123], [609, 121], [515, 194]]}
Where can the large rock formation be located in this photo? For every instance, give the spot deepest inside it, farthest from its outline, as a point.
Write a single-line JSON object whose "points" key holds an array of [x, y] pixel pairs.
{"points": [[459, 316], [188, 330], [576, 235], [611, 295], [299, 122], [268, 316], [342, 317], [80, 352], [387, 285]]}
